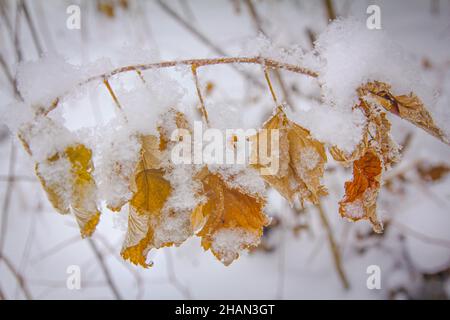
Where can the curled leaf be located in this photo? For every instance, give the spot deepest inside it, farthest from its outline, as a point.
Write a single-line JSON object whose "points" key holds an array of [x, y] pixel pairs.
{"points": [[407, 106], [230, 220], [360, 200], [153, 220], [67, 179], [301, 160], [150, 192]]}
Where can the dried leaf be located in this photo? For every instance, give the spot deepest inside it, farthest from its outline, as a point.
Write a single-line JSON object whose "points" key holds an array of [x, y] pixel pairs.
{"points": [[302, 160], [230, 220], [408, 107], [360, 200], [77, 191], [150, 192], [433, 172]]}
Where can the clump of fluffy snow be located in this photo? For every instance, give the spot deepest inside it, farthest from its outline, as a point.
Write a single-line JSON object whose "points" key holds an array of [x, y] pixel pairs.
{"points": [[309, 158], [117, 154], [46, 137], [228, 243], [15, 114], [351, 55], [58, 177], [144, 105], [264, 47], [330, 125], [185, 189], [241, 177], [41, 81]]}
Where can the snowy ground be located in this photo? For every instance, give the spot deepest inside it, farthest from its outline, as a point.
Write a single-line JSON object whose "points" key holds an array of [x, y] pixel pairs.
{"points": [[295, 261]]}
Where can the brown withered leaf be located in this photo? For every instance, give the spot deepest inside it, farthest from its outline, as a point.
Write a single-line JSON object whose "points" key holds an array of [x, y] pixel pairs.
{"points": [[376, 149], [360, 200], [230, 220], [433, 172], [376, 135], [74, 188], [150, 192], [301, 160], [407, 106]]}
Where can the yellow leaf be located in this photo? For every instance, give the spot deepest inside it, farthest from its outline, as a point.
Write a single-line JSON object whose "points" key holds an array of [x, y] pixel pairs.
{"points": [[150, 192], [360, 200], [74, 188], [302, 160], [230, 220]]}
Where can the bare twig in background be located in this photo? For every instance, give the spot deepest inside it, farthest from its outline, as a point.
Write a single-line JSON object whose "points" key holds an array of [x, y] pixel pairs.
{"points": [[55, 249], [331, 13], [258, 23], [7, 198], [105, 269], [31, 26], [28, 245], [6, 20], [203, 39], [173, 277], [19, 278], [19, 54], [421, 236], [333, 246], [6, 178], [2, 294], [137, 277], [10, 77], [281, 263]]}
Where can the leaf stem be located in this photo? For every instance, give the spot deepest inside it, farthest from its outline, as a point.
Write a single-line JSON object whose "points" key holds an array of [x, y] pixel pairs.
{"points": [[199, 94]]}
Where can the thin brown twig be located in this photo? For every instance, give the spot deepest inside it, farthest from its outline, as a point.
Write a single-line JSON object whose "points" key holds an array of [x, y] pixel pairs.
{"points": [[19, 278], [421, 236], [333, 246], [105, 269], [259, 26], [173, 279], [5, 178], [19, 54], [2, 294], [331, 13], [8, 195], [111, 249], [55, 249], [33, 30], [266, 62], [197, 33], [10, 77]]}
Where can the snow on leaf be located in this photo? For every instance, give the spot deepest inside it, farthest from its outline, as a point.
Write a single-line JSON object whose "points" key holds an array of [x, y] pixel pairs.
{"points": [[230, 220], [360, 200], [67, 179], [302, 160], [150, 192], [163, 196], [407, 106]]}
